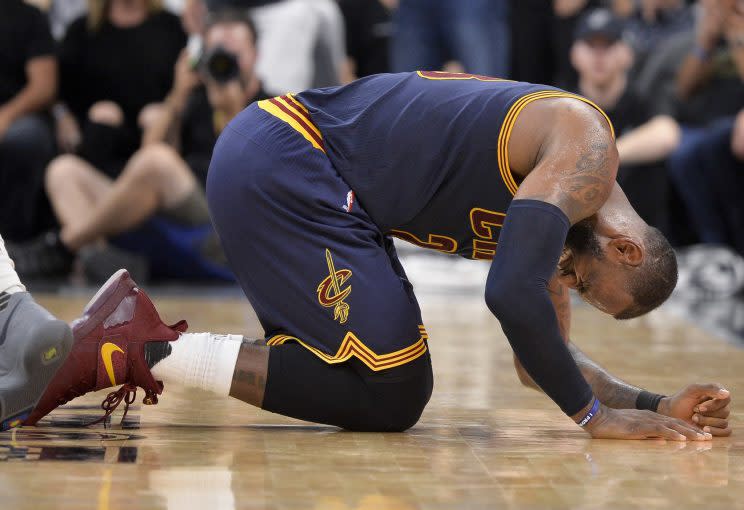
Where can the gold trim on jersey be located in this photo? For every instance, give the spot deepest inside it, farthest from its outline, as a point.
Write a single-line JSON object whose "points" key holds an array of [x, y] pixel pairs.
{"points": [[444, 75], [290, 100], [291, 111], [352, 346], [510, 120]]}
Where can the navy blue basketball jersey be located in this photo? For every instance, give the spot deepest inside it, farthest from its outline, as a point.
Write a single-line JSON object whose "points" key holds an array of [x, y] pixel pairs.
{"points": [[426, 153]]}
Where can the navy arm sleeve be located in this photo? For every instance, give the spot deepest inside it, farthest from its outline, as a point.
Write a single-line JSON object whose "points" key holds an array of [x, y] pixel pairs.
{"points": [[530, 245]]}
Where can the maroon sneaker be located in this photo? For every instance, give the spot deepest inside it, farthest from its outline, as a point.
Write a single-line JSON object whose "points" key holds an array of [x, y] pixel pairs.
{"points": [[109, 349]]}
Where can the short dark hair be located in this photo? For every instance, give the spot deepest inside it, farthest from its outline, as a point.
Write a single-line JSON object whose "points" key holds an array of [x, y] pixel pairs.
{"points": [[654, 280], [231, 15]]}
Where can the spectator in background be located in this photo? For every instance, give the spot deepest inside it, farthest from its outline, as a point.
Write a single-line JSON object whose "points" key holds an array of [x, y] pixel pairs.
{"points": [[709, 83], [603, 61], [114, 62], [542, 33], [368, 31], [329, 55], [197, 109], [541, 37], [428, 33], [659, 31], [708, 168], [157, 207], [656, 29], [301, 44], [531, 23], [28, 84], [652, 22], [566, 14], [62, 13]]}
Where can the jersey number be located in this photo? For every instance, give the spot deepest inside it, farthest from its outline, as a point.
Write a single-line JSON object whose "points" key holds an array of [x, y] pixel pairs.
{"points": [[484, 224], [435, 242]]}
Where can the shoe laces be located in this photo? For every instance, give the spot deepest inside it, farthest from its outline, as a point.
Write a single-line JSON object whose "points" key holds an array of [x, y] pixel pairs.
{"points": [[126, 394]]}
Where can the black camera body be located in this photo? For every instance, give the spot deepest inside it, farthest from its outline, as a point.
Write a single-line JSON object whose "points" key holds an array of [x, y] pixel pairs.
{"points": [[220, 64]]}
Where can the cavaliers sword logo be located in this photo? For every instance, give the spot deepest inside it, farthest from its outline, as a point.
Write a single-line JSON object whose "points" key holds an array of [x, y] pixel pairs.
{"points": [[330, 293]]}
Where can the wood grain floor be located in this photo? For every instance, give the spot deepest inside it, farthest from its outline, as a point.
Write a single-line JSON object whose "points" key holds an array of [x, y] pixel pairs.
{"points": [[483, 442]]}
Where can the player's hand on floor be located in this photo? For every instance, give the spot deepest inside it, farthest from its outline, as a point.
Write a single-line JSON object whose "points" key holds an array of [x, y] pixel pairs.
{"points": [[634, 424], [705, 405]]}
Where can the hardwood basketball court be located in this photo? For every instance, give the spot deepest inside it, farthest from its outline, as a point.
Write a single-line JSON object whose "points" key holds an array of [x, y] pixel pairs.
{"points": [[483, 442]]}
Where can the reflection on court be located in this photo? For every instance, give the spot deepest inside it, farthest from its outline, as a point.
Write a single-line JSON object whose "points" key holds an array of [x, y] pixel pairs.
{"points": [[483, 442]]}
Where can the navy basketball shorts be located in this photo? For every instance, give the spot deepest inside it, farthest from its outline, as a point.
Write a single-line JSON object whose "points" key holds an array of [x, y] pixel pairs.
{"points": [[314, 266]]}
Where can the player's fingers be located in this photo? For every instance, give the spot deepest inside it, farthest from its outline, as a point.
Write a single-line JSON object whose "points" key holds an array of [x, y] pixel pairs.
{"points": [[682, 423], [712, 390], [722, 432], [704, 421], [664, 432], [713, 405], [692, 426], [719, 413], [691, 432]]}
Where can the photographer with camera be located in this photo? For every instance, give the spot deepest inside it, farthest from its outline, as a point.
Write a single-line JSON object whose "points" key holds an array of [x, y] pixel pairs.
{"points": [[211, 85], [708, 168], [157, 207]]}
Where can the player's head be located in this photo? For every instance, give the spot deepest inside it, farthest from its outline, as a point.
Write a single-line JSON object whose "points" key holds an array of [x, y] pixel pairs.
{"points": [[599, 54], [623, 275], [233, 30]]}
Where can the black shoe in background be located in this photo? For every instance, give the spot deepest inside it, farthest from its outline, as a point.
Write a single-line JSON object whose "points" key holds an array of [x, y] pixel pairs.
{"points": [[709, 271], [42, 257], [100, 262]]}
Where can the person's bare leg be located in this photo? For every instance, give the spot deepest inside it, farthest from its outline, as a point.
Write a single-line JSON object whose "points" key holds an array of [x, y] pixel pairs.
{"points": [[224, 364], [73, 185], [292, 381], [251, 371], [155, 178], [107, 113], [74, 188]]}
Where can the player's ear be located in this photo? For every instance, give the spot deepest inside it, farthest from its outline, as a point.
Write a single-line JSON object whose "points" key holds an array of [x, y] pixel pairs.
{"points": [[625, 250], [567, 277]]}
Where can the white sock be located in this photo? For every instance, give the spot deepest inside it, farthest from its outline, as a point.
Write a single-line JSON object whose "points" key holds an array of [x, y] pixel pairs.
{"points": [[9, 281], [200, 360]]}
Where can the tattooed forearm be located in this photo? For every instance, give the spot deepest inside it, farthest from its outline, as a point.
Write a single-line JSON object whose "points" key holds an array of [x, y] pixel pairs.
{"points": [[249, 377], [610, 390]]}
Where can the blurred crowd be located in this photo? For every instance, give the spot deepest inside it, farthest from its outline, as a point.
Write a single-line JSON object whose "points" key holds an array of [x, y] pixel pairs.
{"points": [[109, 109]]}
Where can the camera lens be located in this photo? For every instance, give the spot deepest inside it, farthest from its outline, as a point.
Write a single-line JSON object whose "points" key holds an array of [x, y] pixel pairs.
{"points": [[221, 65]]}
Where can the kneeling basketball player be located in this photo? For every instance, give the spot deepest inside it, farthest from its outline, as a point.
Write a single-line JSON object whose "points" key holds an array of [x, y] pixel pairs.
{"points": [[305, 192]]}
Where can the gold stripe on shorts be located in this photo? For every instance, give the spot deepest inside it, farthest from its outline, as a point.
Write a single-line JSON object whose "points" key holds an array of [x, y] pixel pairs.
{"points": [[351, 346]]}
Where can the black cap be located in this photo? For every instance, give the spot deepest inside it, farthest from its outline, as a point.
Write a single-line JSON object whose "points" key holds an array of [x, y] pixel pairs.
{"points": [[599, 23]]}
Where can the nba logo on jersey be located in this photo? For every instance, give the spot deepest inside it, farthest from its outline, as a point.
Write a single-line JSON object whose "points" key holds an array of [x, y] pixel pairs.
{"points": [[349, 201]]}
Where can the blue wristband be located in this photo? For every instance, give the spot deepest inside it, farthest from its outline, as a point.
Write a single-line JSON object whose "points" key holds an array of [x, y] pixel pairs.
{"points": [[592, 412]]}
